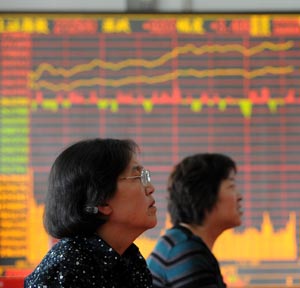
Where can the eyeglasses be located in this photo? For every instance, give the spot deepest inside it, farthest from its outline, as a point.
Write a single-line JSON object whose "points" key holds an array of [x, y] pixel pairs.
{"points": [[145, 177]]}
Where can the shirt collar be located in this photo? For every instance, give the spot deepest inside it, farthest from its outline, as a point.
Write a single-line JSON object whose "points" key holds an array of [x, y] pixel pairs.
{"points": [[108, 254]]}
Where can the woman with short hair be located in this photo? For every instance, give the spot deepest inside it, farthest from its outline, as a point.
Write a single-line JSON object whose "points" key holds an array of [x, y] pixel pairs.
{"points": [[203, 202], [99, 200]]}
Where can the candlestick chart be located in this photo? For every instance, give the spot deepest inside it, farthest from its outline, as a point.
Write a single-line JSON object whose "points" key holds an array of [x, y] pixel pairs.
{"points": [[176, 84]]}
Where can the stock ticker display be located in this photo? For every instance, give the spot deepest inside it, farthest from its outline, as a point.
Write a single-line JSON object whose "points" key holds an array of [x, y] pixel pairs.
{"points": [[178, 85]]}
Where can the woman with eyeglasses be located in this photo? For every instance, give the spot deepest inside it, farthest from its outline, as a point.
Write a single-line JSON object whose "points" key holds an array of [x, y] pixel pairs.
{"points": [[99, 200]]}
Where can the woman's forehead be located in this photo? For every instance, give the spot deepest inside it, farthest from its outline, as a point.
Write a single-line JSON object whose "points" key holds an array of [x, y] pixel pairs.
{"points": [[134, 164]]}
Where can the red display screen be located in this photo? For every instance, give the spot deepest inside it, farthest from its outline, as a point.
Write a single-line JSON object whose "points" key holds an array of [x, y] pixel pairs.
{"points": [[178, 84]]}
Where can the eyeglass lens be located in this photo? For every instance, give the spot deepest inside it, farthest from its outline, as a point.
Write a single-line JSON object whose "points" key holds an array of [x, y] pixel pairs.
{"points": [[145, 177]]}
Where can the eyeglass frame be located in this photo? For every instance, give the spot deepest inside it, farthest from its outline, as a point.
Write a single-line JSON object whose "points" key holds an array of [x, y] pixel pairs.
{"points": [[145, 177]]}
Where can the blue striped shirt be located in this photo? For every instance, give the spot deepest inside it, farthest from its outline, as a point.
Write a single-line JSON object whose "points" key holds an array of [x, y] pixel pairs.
{"points": [[181, 259]]}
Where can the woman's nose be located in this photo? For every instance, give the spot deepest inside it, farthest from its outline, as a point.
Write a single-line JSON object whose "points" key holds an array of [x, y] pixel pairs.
{"points": [[150, 189]]}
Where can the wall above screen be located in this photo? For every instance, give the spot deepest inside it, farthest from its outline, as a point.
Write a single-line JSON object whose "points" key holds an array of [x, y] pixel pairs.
{"points": [[150, 6]]}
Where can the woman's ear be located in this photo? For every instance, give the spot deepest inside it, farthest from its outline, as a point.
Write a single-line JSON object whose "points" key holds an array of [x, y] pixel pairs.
{"points": [[105, 209]]}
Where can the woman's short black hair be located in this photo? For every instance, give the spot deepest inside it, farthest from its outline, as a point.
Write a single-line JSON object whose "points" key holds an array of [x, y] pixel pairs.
{"points": [[84, 175], [193, 186]]}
